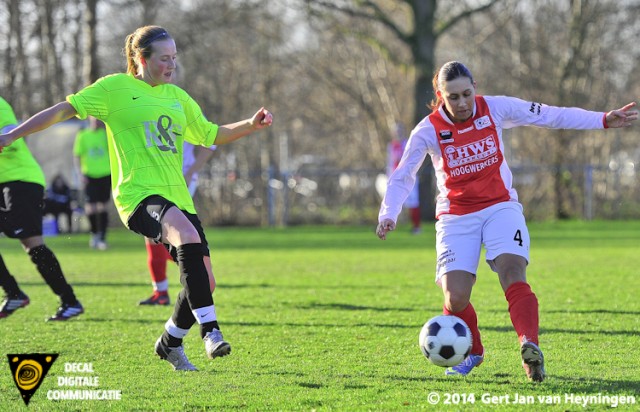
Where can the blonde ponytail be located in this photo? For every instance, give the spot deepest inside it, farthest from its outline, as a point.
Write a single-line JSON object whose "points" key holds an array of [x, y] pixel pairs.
{"points": [[137, 45]]}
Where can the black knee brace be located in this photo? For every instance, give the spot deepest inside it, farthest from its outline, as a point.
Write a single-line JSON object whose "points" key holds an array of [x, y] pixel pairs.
{"points": [[193, 275]]}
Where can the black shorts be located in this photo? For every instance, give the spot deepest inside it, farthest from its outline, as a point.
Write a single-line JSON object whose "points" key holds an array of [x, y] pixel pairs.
{"points": [[98, 190], [21, 208], [145, 220]]}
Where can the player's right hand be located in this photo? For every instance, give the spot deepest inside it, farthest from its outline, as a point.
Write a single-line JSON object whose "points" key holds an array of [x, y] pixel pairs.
{"points": [[387, 225], [5, 140]]}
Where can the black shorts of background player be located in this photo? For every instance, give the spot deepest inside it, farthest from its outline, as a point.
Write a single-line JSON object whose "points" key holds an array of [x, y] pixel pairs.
{"points": [[21, 209]]}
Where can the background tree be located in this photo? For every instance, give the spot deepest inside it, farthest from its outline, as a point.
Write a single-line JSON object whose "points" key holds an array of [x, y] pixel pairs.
{"points": [[15, 67], [338, 83], [91, 67], [416, 25], [563, 53]]}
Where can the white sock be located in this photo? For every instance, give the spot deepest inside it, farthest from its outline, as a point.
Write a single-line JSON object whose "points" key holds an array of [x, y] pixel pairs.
{"points": [[205, 314], [161, 286], [175, 331]]}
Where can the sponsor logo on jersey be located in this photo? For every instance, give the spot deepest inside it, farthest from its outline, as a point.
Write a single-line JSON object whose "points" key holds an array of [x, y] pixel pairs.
{"points": [[162, 133], [468, 129], [535, 108], [446, 136], [482, 122], [473, 152]]}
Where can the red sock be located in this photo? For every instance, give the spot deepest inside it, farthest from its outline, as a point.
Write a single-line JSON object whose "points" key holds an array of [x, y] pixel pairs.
{"points": [[157, 257], [414, 213], [471, 319], [523, 309]]}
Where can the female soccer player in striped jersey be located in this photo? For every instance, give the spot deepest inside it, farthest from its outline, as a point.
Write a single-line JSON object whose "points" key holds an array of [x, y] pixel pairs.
{"points": [[477, 203], [148, 118]]}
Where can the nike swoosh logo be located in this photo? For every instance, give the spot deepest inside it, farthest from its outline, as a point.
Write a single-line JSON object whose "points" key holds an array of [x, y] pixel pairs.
{"points": [[17, 231], [135, 97]]}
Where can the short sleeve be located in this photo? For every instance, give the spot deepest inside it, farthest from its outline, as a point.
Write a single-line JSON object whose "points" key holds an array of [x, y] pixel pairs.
{"points": [[93, 101], [200, 131]]}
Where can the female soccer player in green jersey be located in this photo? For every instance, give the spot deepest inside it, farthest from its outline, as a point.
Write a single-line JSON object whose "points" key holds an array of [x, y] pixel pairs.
{"points": [[148, 118], [21, 208]]}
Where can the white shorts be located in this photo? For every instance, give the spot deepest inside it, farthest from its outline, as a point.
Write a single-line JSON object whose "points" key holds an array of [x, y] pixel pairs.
{"points": [[501, 228]]}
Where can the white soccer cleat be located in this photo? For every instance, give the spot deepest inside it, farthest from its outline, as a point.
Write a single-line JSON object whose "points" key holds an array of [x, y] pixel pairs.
{"points": [[214, 344], [175, 356]]}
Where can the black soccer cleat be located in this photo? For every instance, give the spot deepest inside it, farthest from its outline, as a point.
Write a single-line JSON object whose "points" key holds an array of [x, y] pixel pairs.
{"points": [[12, 303], [67, 311]]}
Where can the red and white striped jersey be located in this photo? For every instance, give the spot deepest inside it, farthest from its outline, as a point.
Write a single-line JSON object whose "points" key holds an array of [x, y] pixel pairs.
{"points": [[468, 158]]}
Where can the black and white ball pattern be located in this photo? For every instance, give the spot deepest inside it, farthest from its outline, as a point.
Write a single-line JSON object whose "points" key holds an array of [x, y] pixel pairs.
{"points": [[445, 340]]}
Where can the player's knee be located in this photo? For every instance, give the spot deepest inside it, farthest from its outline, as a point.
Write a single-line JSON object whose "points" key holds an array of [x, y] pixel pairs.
{"points": [[42, 256], [189, 236], [456, 302], [513, 266]]}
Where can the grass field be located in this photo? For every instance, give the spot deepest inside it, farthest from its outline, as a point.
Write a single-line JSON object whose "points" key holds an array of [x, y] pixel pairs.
{"points": [[327, 318]]}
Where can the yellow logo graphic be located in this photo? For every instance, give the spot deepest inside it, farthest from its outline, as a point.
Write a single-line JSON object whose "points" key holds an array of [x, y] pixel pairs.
{"points": [[29, 370]]}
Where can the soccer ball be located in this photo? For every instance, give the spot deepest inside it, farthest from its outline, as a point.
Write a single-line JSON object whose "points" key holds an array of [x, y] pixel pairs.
{"points": [[445, 340]]}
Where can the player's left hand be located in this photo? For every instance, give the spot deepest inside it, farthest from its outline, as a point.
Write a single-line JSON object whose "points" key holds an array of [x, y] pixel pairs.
{"points": [[262, 118], [623, 117]]}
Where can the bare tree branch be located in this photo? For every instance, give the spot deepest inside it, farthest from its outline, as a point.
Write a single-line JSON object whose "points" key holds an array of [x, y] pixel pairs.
{"points": [[442, 27], [376, 15]]}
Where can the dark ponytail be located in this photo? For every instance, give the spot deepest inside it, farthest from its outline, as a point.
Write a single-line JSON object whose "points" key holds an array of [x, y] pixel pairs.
{"points": [[449, 71]]}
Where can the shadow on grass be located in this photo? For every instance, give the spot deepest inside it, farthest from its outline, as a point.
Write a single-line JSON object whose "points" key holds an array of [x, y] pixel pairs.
{"points": [[345, 306], [310, 385], [595, 384], [543, 331], [316, 325], [90, 284], [144, 282], [555, 383], [594, 312]]}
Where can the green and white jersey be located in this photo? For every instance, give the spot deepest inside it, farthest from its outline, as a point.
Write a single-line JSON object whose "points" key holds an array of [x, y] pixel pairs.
{"points": [[146, 127], [16, 161], [92, 148]]}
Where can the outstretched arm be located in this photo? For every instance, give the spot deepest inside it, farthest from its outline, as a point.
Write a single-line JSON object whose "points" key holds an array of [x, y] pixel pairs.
{"points": [[230, 132], [39, 121], [623, 117]]}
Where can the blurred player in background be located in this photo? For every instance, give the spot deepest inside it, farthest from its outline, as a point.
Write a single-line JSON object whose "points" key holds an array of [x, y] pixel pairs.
{"points": [[57, 201], [194, 158], [21, 209], [148, 118], [91, 159], [394, 154], [477, 204]]}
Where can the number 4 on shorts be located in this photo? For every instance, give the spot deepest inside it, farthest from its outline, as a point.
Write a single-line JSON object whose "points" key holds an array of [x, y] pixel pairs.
{"points": [[518, 237]]}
